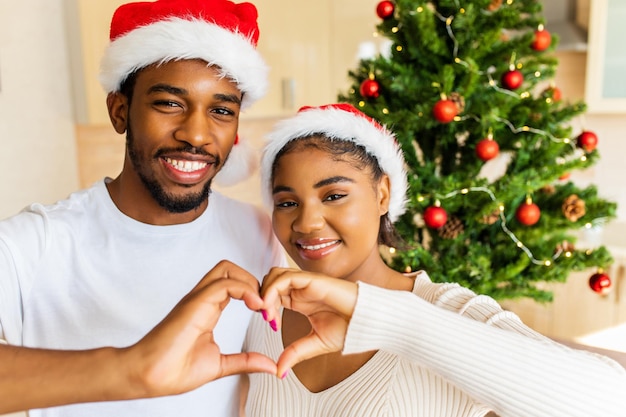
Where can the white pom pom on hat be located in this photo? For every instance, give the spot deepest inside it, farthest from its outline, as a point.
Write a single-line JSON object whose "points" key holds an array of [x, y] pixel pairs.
{"points": [[344, 122], [220, 32], [242, 162]]}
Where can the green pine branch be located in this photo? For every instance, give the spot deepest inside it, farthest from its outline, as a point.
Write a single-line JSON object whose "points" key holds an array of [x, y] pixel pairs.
{"points": [[459, 50]]}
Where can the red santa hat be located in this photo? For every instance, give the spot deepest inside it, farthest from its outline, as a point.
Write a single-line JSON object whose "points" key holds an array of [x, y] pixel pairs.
{"points": [[220, 32], [342, 122]]}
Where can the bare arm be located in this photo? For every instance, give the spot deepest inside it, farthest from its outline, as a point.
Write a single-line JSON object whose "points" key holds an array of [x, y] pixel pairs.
{"points": [[35, 378], [178, 355]]}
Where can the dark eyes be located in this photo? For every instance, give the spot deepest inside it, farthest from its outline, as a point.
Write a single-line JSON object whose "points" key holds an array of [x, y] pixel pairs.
{"points": [[224, 111], [285, 204], [334, 197], [171, 105], [289, 204], [166, 103]]}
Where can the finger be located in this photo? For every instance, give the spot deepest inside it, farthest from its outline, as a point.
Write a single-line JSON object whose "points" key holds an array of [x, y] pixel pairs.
{"points": [[273, 302], [225, 289], [274, 274], [302, 349], [246, 362], [279, 283], [227, 269], [208, 302]]}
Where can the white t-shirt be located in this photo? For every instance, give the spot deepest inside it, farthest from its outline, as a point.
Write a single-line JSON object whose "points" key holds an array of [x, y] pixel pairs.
{"points": [[80, 274]]}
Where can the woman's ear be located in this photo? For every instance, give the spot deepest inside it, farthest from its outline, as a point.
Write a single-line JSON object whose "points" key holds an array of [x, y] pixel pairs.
{"points": [[384, 191], [117, 104]]}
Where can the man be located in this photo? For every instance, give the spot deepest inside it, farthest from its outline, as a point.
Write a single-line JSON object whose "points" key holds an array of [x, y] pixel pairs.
{"points": [[102, 295]]}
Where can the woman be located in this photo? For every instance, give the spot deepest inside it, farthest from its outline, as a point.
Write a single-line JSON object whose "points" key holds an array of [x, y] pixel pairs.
{"points": [[404, 346]]}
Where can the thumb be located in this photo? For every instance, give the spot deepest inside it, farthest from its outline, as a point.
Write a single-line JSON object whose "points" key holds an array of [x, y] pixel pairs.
{"points": [[302, 349], [246, 362]]}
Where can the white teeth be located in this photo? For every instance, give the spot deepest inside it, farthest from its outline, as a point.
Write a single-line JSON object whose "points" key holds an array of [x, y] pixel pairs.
{"points": [[320, 246], [186, 166]]}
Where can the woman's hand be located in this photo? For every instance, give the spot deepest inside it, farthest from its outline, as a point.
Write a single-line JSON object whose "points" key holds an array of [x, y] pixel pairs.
{"points": [[327, 302]]}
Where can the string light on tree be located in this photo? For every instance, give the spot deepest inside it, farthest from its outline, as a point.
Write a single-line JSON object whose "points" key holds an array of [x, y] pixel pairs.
{"points": [[563, 249], [600, 283]]}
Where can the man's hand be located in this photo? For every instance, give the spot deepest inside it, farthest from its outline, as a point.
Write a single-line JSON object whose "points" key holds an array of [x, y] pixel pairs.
{"points": [[327, 302], [180, 353]]}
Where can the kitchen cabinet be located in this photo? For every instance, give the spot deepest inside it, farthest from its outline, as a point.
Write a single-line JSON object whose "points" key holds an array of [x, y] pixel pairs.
{"points": [[295, 42], [577, 311]]}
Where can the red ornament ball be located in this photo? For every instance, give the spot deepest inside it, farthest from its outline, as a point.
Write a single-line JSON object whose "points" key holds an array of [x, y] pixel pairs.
{"points": [[487, 149], [542, 40], [600, 283], [435, 217], [565, 176], [553, 92], [512, 79], [445, 110], [528, 214], [587, 140], [370, 88], [385, 9]]}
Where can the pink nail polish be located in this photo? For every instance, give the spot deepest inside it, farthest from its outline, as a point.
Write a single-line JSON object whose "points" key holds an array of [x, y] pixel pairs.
{"points": [[273, 325], [264, 314], [285, 375]]}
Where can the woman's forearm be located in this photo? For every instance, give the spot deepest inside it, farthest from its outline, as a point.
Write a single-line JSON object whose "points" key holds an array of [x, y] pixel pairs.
{"points": [[515, 374]]}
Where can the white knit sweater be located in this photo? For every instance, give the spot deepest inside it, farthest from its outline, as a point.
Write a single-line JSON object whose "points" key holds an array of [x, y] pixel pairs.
{"points": [[433, 362]]}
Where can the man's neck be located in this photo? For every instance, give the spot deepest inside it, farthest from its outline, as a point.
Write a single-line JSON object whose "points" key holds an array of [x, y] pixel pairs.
{"points": [[137, 203]]}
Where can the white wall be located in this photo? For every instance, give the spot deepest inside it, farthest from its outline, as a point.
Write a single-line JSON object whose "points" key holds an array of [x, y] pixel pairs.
{"points": [[37, 139], [610, 171]]}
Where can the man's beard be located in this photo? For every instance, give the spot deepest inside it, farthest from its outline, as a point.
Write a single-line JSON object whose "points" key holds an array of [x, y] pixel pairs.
{"points": [[171, 203]]}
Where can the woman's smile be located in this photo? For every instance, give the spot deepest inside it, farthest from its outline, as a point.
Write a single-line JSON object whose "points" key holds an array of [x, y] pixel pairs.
{"points": [[309, 249]]}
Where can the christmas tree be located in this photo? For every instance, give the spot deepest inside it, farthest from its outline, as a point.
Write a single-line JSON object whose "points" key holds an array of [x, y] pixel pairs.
{"points": [[467, 87]]}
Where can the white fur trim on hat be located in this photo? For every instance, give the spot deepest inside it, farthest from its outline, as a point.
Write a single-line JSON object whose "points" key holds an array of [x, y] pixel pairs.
{"points": [[344, 125], [175, 39], [242, 161]]}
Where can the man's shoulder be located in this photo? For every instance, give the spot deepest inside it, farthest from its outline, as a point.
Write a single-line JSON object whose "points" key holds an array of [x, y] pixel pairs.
{"points": [[39, 215]]}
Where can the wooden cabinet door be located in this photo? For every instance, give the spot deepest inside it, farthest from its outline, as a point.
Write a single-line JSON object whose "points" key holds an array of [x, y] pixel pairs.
{"points": [[577, 311], [294, 40]]}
